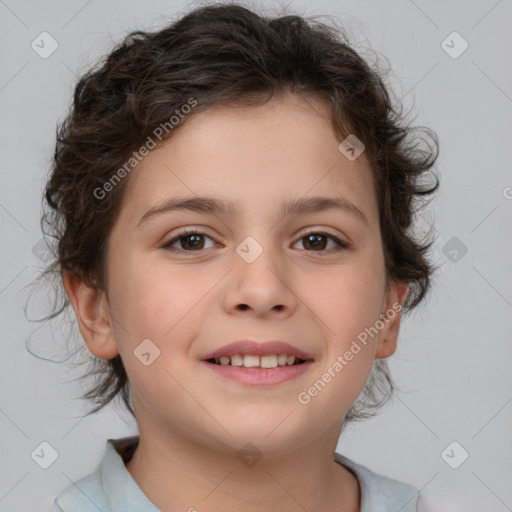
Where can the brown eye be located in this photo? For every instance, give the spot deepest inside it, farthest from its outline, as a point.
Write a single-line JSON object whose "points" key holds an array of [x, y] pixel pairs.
{"points": [[189, 241], [317, 242]]}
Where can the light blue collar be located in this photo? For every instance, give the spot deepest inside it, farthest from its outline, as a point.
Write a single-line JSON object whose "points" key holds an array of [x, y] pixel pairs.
{"points": [[111, 488]]}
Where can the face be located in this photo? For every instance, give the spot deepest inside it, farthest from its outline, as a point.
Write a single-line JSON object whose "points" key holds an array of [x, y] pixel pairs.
{"points": [[313, 278]]}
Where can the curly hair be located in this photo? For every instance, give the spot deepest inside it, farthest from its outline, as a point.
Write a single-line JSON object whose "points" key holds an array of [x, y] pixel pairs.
{"points": [[227, 54]]}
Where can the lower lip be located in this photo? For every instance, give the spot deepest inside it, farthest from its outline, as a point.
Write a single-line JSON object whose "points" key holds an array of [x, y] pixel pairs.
{"points": [[259, 377]]}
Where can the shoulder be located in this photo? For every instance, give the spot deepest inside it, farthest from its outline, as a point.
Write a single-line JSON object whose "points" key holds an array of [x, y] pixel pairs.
{"points": [[110, 487], [380, 493], [86, 494]]}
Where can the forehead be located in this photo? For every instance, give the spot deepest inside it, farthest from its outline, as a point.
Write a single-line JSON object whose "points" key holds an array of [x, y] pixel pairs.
{"points": [[257, 157]]}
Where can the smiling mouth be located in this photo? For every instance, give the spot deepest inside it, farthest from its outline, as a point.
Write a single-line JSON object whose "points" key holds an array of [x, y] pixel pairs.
{"points": [[253, 361]]}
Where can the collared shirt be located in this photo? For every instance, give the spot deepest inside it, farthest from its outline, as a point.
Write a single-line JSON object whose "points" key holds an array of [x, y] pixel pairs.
{"points": [[111, 488]]}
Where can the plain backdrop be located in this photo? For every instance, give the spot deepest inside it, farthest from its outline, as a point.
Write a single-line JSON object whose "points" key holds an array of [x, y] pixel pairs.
{"points": [[453, 361]]}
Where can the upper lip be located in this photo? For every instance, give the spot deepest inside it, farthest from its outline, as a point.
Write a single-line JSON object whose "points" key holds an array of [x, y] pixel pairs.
{"points": [[263, 348]]}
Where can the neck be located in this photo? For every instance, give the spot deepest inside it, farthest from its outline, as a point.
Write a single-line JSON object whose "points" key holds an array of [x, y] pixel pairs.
{"points": [[177, 473]]}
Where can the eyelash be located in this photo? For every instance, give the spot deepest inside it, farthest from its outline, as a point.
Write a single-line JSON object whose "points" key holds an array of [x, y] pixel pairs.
{"points": [[342, 245]]}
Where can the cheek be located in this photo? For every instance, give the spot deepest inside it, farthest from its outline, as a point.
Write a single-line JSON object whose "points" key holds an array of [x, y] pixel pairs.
{"points": [[151, 303], [167, 307], [347, 299], [151, 300], [348, 308]]}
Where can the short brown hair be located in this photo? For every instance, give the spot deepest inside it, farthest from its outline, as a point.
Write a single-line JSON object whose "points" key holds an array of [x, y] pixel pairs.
{"points": [[226, 53]]}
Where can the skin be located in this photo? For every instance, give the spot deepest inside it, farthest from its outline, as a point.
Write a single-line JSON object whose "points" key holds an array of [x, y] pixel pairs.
{"points": [[192, 422]]}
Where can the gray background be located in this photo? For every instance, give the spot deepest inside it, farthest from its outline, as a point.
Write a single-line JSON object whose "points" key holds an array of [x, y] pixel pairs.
{"points": [[453, 362]]}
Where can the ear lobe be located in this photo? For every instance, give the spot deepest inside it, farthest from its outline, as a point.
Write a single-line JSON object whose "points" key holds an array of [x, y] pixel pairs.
{"points": [[388, 336], [93, 315]]}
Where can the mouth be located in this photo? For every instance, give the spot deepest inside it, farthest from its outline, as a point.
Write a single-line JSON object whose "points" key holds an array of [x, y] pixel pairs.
{"points": [[259, 363], [265, 362], [248, 353]]}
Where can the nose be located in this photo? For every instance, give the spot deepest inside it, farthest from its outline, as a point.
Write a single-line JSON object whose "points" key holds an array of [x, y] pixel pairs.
{"points": [[261, 287]]}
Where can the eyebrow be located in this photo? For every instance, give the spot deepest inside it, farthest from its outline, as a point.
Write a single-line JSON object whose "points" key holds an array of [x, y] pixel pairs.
{"points": [[302, 205]]}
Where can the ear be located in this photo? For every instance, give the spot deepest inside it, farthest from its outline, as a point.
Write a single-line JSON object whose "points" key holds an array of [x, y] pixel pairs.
{"points": [[392, 311], [93, 315]]}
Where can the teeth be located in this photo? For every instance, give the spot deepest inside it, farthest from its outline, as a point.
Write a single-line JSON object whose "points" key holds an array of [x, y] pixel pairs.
{"points": [[268, 361], [237, 360], [252, 361]]}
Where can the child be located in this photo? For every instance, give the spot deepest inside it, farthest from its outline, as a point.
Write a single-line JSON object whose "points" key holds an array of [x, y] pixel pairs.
{"points": [[232, 198]]}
